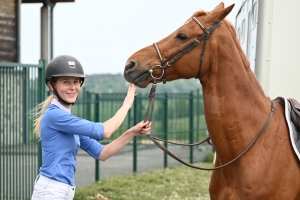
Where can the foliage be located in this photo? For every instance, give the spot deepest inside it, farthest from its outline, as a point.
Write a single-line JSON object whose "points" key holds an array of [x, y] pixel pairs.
{"points": [[164, 184], [209, 157], [116, 83]]}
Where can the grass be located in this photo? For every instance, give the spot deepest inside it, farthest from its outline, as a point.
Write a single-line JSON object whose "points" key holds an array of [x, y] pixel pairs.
{"points": [[163, 184]]}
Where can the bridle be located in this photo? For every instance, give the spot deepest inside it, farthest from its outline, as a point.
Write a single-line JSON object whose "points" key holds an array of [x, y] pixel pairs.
{"points": [[168, 62], [173, 58]]}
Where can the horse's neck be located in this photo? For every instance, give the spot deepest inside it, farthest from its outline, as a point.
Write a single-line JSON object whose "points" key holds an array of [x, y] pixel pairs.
{"points": [[235, 104]]}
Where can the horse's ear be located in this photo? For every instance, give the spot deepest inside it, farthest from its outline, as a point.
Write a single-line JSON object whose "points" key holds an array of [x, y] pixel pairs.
{"points": [[218, 7], [219, 14]]}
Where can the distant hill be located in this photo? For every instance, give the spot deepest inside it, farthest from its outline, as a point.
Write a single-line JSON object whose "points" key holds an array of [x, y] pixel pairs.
{"points": [[116, 83]]}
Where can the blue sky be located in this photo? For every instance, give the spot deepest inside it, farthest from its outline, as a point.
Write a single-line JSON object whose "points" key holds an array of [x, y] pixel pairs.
{"points": [[102, 34]]}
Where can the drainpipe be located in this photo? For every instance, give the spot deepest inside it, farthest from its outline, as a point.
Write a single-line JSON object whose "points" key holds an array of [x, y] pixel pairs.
{"points": [[51, 30], [44, 32], [47, 30]]}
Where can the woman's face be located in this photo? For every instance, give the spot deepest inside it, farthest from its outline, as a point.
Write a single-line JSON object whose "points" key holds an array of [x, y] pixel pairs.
{"points": [[68, 88]]}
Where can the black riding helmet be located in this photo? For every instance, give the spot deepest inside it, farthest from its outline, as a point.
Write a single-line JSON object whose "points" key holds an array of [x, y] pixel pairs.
{"points": [[63, 65]]}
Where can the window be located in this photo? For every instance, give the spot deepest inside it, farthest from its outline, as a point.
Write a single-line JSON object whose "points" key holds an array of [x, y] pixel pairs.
{"points": [[254, 14], [243, 30]]}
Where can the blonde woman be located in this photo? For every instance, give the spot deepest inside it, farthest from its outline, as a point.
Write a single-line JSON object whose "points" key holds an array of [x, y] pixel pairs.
{"points": [[62, 133]]}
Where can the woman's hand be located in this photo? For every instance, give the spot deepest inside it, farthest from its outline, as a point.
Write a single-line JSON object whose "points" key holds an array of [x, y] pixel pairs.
{"points": [[130, 96], [112, 124], [115, 146], [141, 128]]}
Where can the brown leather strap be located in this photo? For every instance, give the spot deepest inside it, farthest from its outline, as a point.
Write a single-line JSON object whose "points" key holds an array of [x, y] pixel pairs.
{"points": [[148, 118], [221, 166], [186, 49], [151, 101], [183, 144]]}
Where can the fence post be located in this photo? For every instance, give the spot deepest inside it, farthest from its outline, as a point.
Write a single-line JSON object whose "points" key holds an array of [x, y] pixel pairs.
{"points": [[97, 119], [26, 105], [41, 97], [83, 91], [198, 113], [166, 129], [87, 106], [191, 127], [135, 117]]}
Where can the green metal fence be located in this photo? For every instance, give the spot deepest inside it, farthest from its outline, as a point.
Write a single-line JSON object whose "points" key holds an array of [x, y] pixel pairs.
{"points": [[21, 88], [176, 117]]}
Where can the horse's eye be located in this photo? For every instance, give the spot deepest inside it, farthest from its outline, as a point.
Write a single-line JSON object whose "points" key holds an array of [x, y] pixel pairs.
{"points": [[181, 37]]}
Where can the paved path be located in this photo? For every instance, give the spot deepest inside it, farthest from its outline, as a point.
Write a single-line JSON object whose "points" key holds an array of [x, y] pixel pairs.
{"points": [[149, 157]]}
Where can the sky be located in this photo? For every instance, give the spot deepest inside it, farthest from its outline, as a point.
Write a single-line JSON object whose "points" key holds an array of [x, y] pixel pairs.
{"points": [[103, 34]]}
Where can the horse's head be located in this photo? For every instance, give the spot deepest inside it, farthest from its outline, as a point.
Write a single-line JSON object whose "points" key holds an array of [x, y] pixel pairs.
{"points": [[178, 55]]}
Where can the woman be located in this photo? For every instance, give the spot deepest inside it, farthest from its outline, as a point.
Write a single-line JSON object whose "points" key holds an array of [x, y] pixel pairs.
{"points": [[62, 133]]}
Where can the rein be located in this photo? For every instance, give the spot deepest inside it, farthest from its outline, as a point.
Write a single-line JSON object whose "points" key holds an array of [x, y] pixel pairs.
{"points": [[155, 139], [151, 105], [168, 62]]}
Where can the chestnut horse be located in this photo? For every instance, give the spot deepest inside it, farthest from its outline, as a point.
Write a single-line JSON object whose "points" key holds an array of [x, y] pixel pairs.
{"points": [[235, 105]]}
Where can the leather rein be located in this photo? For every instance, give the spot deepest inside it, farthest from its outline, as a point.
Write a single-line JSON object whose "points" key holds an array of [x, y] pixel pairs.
{"points": [[168, 62]]}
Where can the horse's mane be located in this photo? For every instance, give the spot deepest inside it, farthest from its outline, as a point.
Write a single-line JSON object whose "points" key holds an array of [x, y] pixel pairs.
{"points": [[245, 60], [197, 13], [232, 32]]}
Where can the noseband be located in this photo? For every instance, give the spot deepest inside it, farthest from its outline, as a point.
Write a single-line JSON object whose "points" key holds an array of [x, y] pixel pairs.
{"points": [[173, 58]]}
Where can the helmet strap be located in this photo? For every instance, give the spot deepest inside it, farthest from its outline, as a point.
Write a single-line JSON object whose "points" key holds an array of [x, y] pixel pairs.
{"points": [[59, 98]]}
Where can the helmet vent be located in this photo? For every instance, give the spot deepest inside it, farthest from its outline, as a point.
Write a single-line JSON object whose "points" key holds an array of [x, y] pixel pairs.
{"points": [[71, 64]]}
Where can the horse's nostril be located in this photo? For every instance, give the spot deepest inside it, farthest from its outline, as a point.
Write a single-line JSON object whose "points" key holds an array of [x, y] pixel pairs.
{"points": [[129, 67]]}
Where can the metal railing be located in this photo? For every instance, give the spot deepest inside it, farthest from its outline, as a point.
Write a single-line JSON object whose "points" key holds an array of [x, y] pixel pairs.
{"points": [[176, 117], [21, 89]]}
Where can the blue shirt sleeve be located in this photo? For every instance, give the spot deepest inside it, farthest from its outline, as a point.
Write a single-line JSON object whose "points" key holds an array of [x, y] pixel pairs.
{"points": [[67, 123], [91, 146]]}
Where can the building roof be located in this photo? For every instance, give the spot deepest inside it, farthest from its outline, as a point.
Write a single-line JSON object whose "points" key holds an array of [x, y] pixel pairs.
{"points": [[41, 1]]}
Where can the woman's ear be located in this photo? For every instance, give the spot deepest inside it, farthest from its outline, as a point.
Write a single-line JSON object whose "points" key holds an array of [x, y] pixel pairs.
{"points": [[50, 86]]}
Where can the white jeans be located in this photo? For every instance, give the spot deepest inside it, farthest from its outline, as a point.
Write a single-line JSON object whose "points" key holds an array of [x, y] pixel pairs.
{"points": [[46, 189]]}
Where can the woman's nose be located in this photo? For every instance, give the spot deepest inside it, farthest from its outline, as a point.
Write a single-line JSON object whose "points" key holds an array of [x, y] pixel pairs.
{"points": [[72, 85]]}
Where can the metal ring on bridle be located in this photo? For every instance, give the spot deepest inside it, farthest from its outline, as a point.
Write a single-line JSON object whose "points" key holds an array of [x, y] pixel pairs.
{"points": [[151, 71]]}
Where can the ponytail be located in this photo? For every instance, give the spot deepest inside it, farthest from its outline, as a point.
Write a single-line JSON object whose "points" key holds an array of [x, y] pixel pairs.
{"points": [[40, 109]]}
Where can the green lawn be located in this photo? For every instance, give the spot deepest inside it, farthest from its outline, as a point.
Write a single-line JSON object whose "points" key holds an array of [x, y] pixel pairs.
{"points": [[164, 184]]}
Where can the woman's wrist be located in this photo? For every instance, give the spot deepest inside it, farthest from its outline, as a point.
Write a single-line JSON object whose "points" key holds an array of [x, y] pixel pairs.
{"points": [[130, 133], [126, 107]]}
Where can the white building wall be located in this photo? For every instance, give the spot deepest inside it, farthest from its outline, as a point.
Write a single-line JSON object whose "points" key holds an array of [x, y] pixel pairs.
{"points": [[274, 46]]}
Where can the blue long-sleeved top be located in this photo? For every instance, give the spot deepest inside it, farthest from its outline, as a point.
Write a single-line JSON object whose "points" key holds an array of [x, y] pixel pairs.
{"points": [[62, 134]]}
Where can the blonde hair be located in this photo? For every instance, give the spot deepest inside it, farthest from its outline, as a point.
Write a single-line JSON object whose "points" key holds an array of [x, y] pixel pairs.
{"points": [[38, 114]]}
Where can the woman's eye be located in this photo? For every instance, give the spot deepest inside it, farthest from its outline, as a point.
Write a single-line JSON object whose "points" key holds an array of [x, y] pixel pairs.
{"points": [[77, 82], [181, 37]]}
